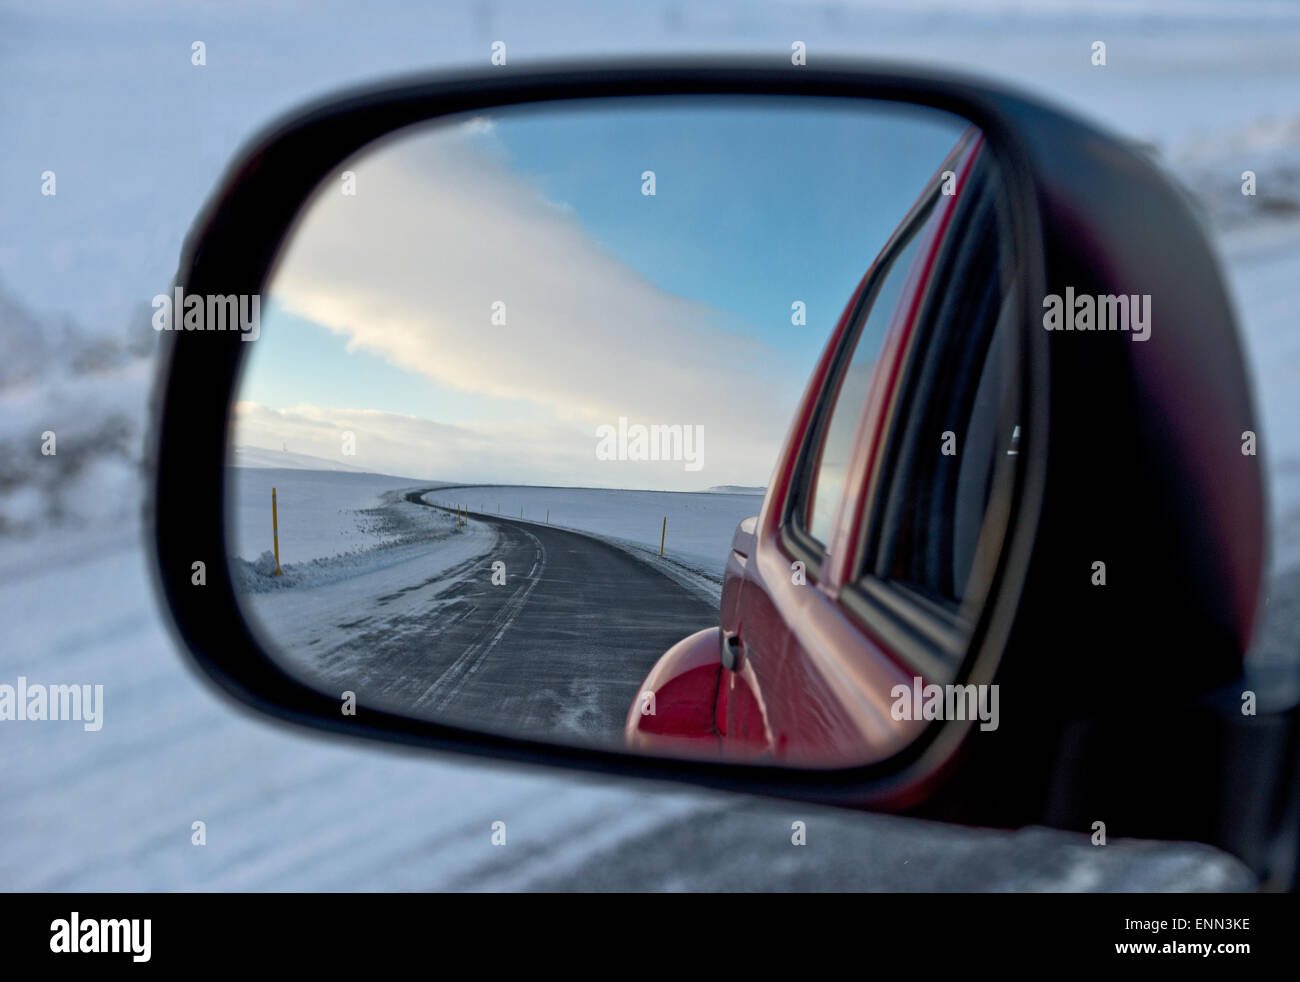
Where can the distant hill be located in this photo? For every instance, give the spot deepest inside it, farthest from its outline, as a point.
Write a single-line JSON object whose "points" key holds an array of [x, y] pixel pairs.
{"points": [[262, 457], [735, 489]]}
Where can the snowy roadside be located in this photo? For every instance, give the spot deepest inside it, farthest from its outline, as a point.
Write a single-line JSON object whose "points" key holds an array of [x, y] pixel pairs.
{"points": [[304, 612], [322, 514]]}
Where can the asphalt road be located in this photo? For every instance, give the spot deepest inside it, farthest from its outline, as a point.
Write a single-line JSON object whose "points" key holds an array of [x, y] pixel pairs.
{"points": [[558, 650]]}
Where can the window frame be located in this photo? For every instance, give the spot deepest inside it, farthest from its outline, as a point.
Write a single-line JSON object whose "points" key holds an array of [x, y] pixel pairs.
{"points": [[927, 635], [797, 540]]}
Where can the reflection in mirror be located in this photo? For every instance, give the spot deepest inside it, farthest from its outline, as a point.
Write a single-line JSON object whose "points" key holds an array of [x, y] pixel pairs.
{"points": [[521, 376]]}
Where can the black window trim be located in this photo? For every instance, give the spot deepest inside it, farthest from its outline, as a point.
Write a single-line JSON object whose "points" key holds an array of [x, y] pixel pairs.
{"points": [[929, 636], [908, 624]]}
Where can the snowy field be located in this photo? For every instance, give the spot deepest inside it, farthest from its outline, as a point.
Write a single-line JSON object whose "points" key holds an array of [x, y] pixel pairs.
{"points": [[320, 514], [380, 548], [700, 525], [1213, 87], [329, 514], [336, 526]]}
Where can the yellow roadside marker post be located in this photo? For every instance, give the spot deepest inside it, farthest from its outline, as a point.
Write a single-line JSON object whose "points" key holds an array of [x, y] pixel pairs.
{"points": [[663, 534], [275, 532]]}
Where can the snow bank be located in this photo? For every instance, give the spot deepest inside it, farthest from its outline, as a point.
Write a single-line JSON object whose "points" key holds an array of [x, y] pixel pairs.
{"points": [[346, 589], [81, 396], [1211, 167], [321, 514]]}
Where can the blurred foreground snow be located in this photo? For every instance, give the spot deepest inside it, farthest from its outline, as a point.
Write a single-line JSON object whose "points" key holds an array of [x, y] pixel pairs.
{"points": [[286, 810]]}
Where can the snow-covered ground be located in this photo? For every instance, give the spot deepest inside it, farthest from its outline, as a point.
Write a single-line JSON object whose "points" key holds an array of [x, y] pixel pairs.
{"points": [[320, 514], [328, 514], [699, 524], [337, 527], [1263, 266], [418, 545], [1213, 85], [72, 410]]}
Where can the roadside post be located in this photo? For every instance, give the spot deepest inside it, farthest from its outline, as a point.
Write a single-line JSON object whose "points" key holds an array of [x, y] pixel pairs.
{"points": [[275, 532]]}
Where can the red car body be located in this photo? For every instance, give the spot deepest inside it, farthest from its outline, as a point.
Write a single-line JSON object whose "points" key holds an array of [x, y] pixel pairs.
{"points": [[790, 675]]}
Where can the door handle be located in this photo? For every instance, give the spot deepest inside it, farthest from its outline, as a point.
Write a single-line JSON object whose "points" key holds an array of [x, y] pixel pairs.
{"points": [[731, 651]]}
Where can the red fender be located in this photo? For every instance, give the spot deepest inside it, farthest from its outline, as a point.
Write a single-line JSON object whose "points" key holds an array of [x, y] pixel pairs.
{"points": [[684, 685]]}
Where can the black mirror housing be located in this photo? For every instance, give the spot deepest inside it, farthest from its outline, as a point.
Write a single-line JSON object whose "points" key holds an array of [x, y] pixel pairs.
{"points": [[1121, 467]]}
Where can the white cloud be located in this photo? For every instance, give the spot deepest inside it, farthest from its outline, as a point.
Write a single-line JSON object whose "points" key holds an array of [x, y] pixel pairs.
{"points": [[440, 230], [516, 451]]}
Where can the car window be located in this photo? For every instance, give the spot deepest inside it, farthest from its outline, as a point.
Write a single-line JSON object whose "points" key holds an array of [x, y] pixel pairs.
{"points": [[937, 490], [830, 472]]}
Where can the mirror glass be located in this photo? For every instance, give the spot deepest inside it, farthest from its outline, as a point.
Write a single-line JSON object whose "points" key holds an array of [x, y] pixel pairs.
{"points": [[522, 380]]}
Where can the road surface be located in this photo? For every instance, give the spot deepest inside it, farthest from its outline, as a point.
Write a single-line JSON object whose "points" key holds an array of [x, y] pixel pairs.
{"points": [[552, 643]]}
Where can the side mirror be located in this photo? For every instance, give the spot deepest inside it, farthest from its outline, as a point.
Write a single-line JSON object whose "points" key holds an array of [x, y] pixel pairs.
{"points": [[742, 543], [455, 492]]}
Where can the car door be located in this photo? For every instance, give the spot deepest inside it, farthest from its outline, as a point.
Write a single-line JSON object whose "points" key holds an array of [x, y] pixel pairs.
{"points": [[810, 677]]}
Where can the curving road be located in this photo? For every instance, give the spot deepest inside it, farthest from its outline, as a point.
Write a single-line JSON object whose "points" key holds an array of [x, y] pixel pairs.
{"points": [[557, 650]]}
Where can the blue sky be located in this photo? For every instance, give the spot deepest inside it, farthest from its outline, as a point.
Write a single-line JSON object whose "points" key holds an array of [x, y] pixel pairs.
{"points": [[758, 203], [755, 206]]}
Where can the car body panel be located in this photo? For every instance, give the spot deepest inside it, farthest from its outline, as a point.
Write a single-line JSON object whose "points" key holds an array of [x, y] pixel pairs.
{"points": [[684, 683]]}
